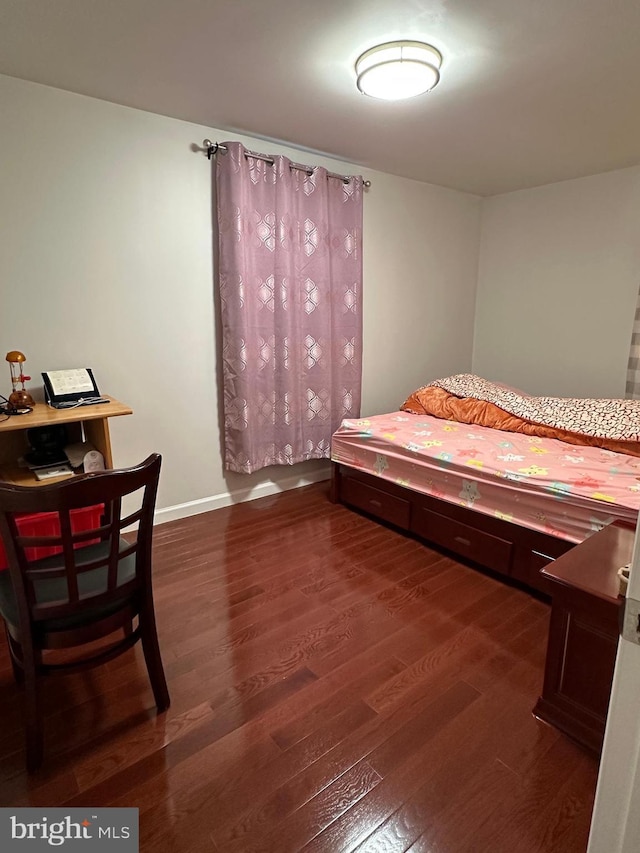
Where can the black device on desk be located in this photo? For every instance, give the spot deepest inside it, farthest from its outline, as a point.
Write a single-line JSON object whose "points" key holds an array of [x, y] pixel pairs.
{"points": [[68, 389], [46, 446]]}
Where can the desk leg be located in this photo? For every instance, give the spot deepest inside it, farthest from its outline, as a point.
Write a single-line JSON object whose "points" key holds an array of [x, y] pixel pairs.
{"points": [[97, 432]]}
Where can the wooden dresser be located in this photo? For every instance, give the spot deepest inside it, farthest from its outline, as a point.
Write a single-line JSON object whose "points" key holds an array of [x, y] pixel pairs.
{"points": [[583, 634]]}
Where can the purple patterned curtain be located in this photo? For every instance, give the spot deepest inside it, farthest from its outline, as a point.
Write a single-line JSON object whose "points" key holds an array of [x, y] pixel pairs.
{"points": [[290, 276]]}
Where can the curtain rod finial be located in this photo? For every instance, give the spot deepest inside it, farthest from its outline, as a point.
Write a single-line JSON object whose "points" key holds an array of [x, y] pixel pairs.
{"points": [[211, 147]]}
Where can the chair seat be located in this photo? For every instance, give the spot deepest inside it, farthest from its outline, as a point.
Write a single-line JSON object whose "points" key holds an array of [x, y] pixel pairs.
{"points": [[90, 583]]}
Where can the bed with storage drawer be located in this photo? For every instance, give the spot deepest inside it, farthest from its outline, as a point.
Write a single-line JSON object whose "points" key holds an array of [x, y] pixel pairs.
{"points": [[509, 501]]}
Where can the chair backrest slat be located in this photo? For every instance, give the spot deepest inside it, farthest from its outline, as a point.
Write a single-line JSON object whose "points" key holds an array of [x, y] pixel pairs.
{"points": [[69, 557], [114, 544]]}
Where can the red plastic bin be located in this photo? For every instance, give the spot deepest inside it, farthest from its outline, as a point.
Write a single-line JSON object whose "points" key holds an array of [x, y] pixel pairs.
{"points": [[48, 524]]}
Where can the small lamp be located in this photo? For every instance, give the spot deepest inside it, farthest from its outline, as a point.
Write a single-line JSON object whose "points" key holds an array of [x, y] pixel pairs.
{"points": [[19, 397], [398, 69]]}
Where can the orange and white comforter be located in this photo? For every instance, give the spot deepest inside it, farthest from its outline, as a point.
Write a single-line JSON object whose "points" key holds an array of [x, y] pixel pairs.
{"points": [[470, 399]]}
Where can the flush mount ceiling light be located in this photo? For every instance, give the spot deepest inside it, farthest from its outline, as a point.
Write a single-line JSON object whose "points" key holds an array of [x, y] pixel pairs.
{"points": [[398, 69]]}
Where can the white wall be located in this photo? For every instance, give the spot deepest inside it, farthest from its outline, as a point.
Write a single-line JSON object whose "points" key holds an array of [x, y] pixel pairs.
{"points": [[557, 287], [106, 262], [420, 271]]}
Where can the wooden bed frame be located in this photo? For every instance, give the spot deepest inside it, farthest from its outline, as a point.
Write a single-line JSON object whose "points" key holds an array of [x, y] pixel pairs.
{"points": [[505, 548]]}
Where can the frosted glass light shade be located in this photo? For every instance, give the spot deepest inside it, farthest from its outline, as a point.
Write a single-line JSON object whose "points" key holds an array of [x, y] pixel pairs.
{"points": [[398, 69]]}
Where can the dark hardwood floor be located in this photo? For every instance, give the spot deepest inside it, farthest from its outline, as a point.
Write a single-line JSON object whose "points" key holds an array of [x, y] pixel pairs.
{"points": [[335, 686]]}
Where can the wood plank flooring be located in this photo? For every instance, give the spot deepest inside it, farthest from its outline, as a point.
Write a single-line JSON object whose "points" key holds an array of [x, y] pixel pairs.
{"points": [[335, 687]]}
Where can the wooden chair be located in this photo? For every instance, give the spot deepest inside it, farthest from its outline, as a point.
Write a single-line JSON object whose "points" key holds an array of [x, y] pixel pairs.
{"points": [[96, 586]]}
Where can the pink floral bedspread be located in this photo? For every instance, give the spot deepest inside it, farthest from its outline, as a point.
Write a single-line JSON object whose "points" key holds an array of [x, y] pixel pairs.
{"points": [[540, 483]]}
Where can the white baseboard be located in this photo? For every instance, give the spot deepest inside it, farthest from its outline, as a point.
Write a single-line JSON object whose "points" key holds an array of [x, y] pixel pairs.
{"points": [[173, 513]]}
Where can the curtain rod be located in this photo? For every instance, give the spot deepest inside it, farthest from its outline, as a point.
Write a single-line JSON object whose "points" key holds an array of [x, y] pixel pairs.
{"points": [[214, 147]]}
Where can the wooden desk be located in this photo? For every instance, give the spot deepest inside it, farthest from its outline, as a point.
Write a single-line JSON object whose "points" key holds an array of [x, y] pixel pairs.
{"points": [[92, 420], [583, 634]]}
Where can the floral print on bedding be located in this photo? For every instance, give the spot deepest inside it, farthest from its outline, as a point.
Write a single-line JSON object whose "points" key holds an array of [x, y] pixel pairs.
{"points": [[541, 483]]}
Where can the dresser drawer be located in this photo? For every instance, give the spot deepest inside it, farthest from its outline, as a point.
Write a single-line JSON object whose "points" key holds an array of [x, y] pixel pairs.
{"points": [[376, 502], [469, 542]]}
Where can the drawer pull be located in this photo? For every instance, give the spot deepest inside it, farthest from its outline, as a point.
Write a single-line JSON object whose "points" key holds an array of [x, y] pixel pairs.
{"points": [[375, 504], [461, 540], [544, 556]]}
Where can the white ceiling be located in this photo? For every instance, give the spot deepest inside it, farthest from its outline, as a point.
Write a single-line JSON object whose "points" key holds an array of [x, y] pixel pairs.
{"points": [[532, 91]]}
